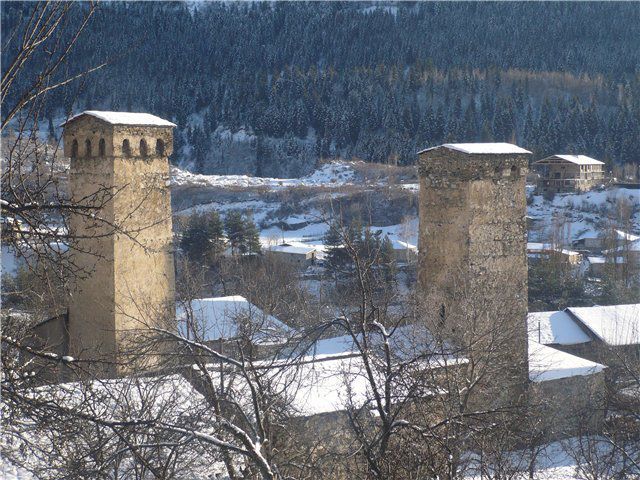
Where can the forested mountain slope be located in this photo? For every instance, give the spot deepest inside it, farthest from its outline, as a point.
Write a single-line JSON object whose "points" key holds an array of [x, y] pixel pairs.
{"points": [[269, 88]]}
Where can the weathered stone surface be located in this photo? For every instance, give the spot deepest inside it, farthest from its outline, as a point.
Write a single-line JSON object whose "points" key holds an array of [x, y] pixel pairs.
{"points": [[473, 264], [126, 246]]}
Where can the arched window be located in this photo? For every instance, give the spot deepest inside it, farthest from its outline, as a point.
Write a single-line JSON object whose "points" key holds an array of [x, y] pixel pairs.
{"points": [[143, 148], [87, 148], [102, 148], [159, 147], [126, 148], [74, 149], [515, 171]]}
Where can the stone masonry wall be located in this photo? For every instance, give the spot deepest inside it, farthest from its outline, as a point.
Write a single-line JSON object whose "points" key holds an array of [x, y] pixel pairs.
{"points": [[473, 269], [127, 257]]}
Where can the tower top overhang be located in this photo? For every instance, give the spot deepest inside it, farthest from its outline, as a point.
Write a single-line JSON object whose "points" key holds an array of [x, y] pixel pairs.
{"points": [[496, 148], [123, 118]]}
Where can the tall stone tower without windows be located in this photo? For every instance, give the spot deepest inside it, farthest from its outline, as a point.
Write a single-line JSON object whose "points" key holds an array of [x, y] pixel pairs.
{"points": [[473, 264], [119, 163]]}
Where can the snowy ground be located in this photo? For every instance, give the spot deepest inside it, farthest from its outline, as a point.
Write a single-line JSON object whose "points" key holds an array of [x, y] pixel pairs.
{"points": [[559, 460], [330, 174], [582, 213]]}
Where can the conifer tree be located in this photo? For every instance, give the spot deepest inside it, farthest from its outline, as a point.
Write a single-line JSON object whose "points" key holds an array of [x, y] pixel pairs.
{"points": [[203, 239], [234, 230], [251, 240], [336, 255]]}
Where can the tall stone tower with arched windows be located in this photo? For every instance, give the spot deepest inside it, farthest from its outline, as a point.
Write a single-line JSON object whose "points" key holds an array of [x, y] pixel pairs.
{"points": [[122, 235], [473, 260]]}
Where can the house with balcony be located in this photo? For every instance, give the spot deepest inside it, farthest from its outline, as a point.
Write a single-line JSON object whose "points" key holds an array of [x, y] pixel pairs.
{"points": [[568, 173]]}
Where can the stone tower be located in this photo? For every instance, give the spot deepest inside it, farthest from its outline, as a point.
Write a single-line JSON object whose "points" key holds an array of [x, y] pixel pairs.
{"points": [[472, 242], [119, 168]]}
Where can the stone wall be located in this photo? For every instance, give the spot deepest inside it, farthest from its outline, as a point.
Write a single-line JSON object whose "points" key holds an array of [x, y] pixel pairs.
{"points": [[125, 246], [473, 264], [569, 406]]}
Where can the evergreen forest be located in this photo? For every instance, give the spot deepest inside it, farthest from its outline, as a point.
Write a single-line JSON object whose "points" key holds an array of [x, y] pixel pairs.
{"points": [[270, 88]]}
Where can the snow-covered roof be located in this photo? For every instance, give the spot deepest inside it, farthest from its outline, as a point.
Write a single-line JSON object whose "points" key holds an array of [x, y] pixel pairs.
{"points": [[632, 246], [619, 260], [299, 249], [328, 386], [401, 245], [226, 318], [125, 118], [547, 363], [329, 383], [137, 397], [535, 247], [596, 260], [334, 346], [555, 328], [405, 341], [575, 159], [629, 237], [614, 324], [498, 148]]}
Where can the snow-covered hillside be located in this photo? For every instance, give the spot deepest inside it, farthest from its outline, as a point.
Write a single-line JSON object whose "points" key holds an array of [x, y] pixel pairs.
{"points": [[301, 217], [581, 213], [329, 174]]}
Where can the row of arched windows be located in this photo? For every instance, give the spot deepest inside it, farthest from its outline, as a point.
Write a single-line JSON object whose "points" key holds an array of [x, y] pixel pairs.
{"points": [[126, 148]]}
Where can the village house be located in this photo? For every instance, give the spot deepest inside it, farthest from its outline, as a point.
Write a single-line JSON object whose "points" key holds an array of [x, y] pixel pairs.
{"points": [[539, 251], [596, 265], [631, 250], [568, 173], [403, 252], [591, 241], [226, 319], [297, 255], [595, 241], [603, 334]]}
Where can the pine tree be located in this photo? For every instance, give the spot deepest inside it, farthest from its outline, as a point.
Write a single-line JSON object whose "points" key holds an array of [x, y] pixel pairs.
{"points": [[387, 260], [203, 239], [251, 237], [336, 255], [234, 229]]}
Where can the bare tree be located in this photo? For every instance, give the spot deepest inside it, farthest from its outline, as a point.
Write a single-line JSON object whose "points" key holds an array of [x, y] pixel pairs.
{"points": [[424, 403]]}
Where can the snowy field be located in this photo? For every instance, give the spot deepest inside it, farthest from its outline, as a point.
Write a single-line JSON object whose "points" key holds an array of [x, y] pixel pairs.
{"points": [[582, 213]]}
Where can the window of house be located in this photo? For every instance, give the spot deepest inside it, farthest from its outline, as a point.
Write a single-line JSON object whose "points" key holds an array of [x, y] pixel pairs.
{"points": [[87, 148], [74, 149], [159, 147], [102, 148]]}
